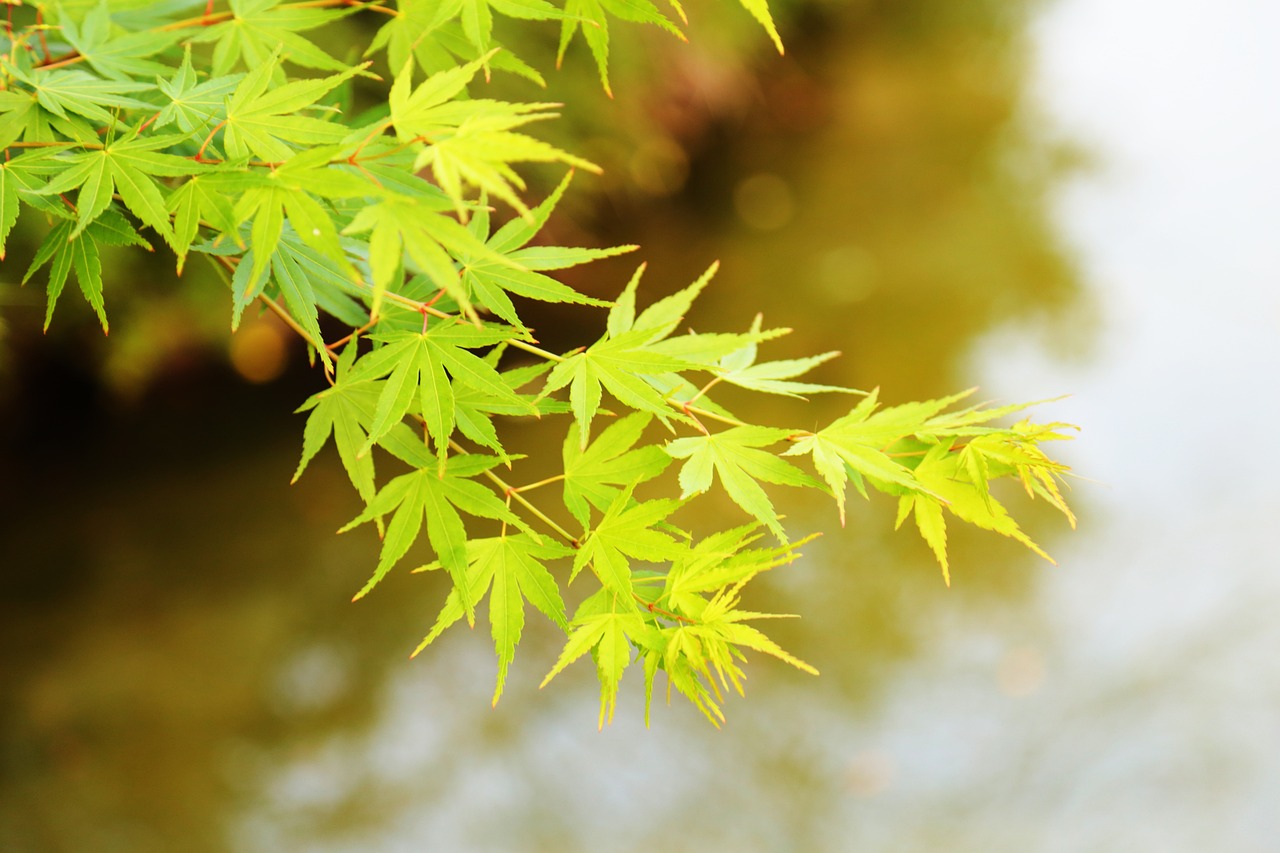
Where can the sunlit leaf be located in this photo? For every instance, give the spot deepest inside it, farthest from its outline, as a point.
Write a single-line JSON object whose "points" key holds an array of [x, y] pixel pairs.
{"points": [[511, 570], [431, 498], [595, 475], [626, 532], [608, 635], [736, 460]]}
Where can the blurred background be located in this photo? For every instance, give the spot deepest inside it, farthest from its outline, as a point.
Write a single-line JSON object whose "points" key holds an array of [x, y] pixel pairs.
{"points": [[1075, 197]]}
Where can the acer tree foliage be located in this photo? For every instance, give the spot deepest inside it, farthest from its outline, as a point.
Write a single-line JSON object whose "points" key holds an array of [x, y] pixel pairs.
{"points": [[223, 131]]}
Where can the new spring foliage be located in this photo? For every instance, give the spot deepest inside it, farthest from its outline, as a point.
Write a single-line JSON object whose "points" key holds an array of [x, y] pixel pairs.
{"points": [[225, 132]]}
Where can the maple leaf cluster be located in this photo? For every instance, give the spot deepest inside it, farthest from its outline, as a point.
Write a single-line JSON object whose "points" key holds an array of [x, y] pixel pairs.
{"points": [[227, 134]]}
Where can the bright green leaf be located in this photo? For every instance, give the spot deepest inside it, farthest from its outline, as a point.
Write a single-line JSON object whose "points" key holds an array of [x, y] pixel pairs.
{"points": [[511, 569]]}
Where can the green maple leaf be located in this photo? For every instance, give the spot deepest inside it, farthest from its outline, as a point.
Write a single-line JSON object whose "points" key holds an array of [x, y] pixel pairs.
{"points": [[404, 33], [272, 247], [66, 251], [605, 625], [511, 569], [91, 172], [856, 442], [117, 56], [886, 426], [927, 512], [474, 408], [194, 107], [735, 458], [774, 377], [342, 411], [655, 325], [294, 285], [1013, 452], [18, 109], [662, 317], [450, 46], [401, 224], [722, 620], [700, 651], [476, 16], [127, 167], [629, 360], [470, 141], [286, 194], [481, 148], [701, 656], [682, 655], [70, 250], [759, 10], [990, 452], [435, 498], [594, 475], [592, 17], [335, 292], [627, 532], [23, 179], [427, 30], [72, 92], [945, 475], [718, 561], [113, 229], [489, 282], [420, 370], [10, 184], [263, 120], [620, 365], [264, 206], [204, 198], [261, 28]]}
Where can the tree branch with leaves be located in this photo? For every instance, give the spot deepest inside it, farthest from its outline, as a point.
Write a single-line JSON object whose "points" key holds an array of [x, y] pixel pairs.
{"points": [[226, 133]]}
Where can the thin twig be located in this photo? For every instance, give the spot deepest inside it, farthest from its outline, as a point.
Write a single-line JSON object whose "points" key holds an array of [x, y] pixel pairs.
{"points": [[512, 492]]}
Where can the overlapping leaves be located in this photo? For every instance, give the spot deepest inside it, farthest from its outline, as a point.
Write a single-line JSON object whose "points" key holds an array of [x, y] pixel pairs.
{"points": [[230, 136], [433, 498], [936, 460], [735, 458], [470, 143], [421, 370]]}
